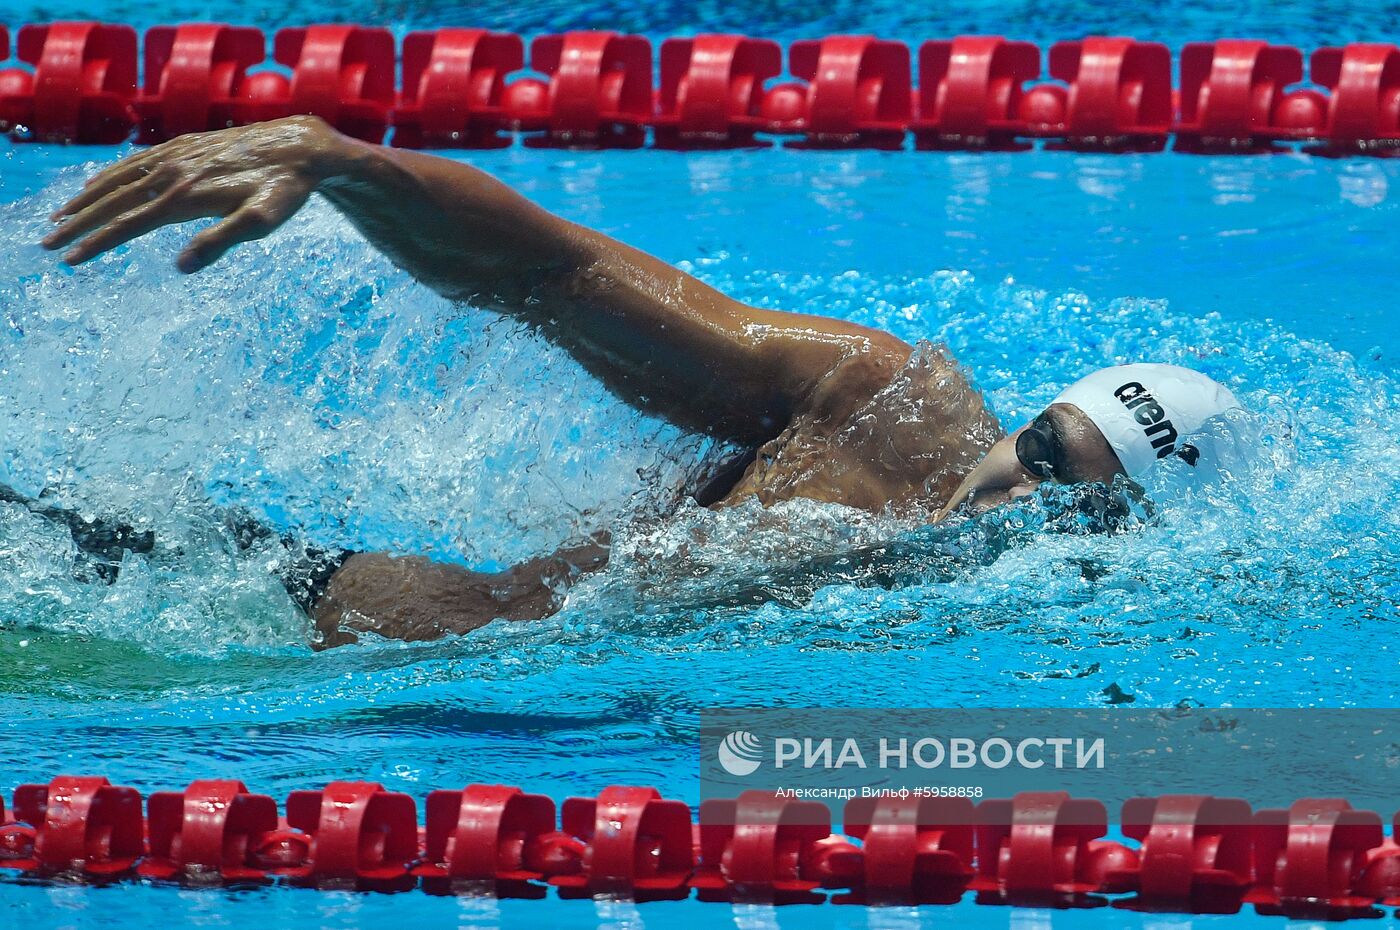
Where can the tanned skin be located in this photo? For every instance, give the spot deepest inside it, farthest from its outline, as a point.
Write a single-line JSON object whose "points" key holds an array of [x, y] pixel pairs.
{"points": [[788, 385]]}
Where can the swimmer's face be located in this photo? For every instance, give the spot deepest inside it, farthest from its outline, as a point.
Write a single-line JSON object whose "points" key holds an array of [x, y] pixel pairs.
{"points": [[1060, 445]]}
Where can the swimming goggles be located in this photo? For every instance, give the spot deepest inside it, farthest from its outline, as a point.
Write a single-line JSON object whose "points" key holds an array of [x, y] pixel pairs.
{"points": [[1039, 450]]}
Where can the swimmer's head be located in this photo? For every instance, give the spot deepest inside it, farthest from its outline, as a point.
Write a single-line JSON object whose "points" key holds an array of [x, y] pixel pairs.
{"points": [[1116, 421]]}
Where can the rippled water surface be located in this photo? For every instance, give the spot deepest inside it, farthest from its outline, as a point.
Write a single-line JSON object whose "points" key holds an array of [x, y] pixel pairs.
{"points": [[308, 382]]}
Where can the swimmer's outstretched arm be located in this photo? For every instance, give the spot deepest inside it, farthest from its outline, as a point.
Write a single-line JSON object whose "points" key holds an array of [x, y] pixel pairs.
{"points": [[661, 339], [413, 598]]}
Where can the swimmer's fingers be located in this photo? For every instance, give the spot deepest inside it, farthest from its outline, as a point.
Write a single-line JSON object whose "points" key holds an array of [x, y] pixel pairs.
{"points": [[107, 208], [124, 172], [129, 170], [253, 220], [164, 211]]}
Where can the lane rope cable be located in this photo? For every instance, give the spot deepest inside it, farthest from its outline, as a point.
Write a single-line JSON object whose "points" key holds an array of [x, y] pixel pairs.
{"points": [[1317, 859], [102, 83]]}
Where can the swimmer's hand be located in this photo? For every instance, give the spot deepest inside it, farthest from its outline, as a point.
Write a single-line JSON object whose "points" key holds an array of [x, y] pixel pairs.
{"points": [[255, 177]]}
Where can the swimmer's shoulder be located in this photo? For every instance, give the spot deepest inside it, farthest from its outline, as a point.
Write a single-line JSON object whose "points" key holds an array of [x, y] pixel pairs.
{"points": [[872, 363], [890, 427]]}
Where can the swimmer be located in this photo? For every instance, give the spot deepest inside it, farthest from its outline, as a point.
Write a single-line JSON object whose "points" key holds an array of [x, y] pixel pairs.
{"points": [[811, 398]]}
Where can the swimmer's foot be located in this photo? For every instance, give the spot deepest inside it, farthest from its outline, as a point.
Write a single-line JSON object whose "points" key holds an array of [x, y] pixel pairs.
{"points": [[102, 544]]}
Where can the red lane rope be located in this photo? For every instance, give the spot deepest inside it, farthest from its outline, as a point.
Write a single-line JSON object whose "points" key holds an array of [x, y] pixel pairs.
{"points": [[1320, 858], [469, 88]]}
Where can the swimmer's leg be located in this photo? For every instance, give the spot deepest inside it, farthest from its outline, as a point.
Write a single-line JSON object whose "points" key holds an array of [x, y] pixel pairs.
{"points": [[346, 593], [309, 569], [412, 598]]}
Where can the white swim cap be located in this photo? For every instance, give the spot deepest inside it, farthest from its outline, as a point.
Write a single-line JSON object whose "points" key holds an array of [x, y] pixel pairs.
{"points": [[1146, 411]]}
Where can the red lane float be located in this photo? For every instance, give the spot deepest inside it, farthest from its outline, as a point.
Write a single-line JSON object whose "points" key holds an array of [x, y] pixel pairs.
{"points": [[1117, 94], [1309, 859], [343, 74], [598, 92], [1364, 108], [1380, 878], [193, 76], [81, 88], [764, 849], [209, 831], [454, 88], [970, 92], [83, 826], [858, 93], [1194, 854], [352, 833], [1234, 95], [913, 850], [637, 844], [711, 93], [492, 835], [1043, 848]]}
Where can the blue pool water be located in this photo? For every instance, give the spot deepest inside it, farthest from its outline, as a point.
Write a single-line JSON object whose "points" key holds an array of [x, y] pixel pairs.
{"points": [[309, 382]]}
